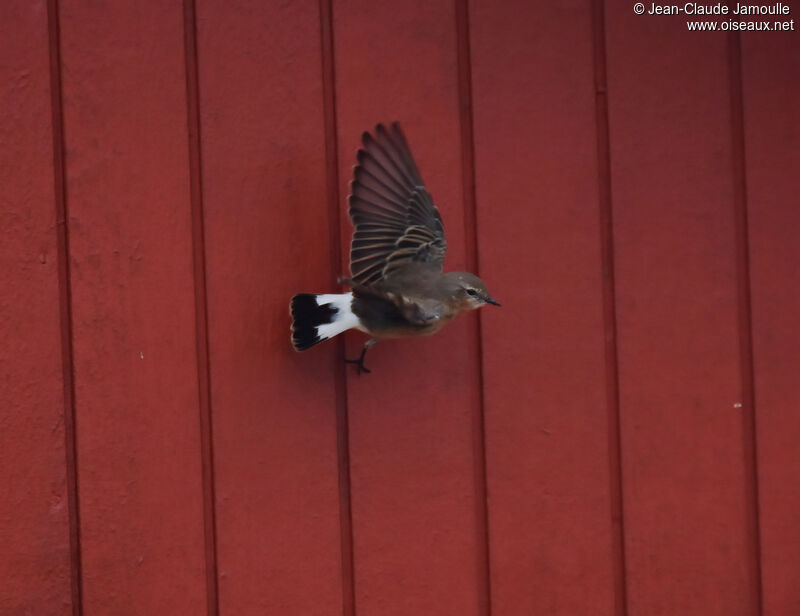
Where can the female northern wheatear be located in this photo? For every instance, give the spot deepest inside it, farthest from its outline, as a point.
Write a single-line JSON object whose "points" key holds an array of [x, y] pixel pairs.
{"points": [[396, 258]]}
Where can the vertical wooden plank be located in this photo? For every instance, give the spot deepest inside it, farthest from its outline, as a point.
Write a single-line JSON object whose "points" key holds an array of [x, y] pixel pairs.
{"points": [[771, 88], [685, 474], [471, 242], [34, 513], [416, 548], [545, 388], [133, 306], [268, 237], [334, 229], [201, 304]]}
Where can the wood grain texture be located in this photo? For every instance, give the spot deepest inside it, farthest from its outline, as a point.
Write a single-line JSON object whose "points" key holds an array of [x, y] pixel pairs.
{"points": [[545, 389], [34, 513], [267, 238], [771, 96], [133, 306], [413, 494], [684, 466]]}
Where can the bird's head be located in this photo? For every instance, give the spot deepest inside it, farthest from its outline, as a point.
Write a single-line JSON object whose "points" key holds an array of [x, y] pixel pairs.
{"points": [[468, 291]]}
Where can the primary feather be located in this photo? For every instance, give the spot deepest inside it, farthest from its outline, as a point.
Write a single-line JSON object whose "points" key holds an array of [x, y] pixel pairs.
{"points": [[396, 222]]}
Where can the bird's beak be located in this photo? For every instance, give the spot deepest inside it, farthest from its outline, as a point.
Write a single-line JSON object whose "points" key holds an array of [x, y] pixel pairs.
{"points": [[491, 301]]}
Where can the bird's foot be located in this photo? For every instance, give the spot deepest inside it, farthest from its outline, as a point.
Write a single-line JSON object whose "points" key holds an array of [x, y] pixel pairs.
{"points": [[359, 365], [360, 361]]}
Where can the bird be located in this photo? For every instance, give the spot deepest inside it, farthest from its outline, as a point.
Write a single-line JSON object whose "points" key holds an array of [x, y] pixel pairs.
{"points": [[397, 283]]}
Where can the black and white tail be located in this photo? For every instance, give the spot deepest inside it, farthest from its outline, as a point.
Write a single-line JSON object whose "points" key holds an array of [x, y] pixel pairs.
{"points": [[318, 317]]}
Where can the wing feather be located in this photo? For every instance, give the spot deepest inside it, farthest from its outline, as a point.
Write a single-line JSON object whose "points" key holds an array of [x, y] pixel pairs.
{"points": [[395, 219]]}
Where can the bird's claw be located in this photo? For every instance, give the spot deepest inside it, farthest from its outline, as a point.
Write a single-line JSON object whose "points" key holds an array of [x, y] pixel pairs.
{"points": [[359, 365]]}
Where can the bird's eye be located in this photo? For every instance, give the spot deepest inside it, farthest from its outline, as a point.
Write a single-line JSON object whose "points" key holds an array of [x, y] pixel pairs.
{"points": [[472, 293]]}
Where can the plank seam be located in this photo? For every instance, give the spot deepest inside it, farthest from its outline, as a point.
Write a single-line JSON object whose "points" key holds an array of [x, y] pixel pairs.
{"points": [[466, 120], [201, 307], [609, 308], [65, 305], [340, 376], [750, 445]]}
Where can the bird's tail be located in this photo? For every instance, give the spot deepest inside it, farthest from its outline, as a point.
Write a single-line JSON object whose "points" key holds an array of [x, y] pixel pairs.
{"points": [[318, 317]]}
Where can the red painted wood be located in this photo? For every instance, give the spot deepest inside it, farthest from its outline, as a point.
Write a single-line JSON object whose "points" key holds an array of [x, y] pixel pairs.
{"points": [[200, 304], [771, 82], [684, 474], [539, 237], [133, 307], [282, 542], [414, 509], [34, 522], [267, 237]]}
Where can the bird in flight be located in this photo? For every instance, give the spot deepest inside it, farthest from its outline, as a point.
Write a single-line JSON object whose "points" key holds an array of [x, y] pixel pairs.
{"points": [[398, 287]]}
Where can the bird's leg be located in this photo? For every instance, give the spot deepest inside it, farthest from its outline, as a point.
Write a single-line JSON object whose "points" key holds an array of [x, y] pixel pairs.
{"points": [[360, 361]]}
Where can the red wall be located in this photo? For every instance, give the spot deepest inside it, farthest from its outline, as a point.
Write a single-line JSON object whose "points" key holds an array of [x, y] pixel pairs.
{"points": [[620, 438]]}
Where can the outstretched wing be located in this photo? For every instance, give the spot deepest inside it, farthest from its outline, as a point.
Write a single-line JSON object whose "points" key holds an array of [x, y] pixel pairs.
{"points": [[395, 220]]}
